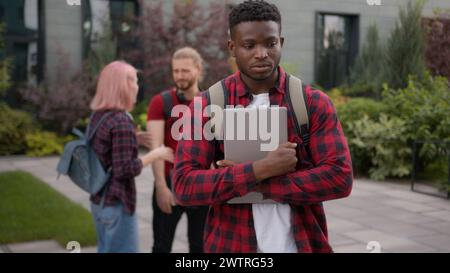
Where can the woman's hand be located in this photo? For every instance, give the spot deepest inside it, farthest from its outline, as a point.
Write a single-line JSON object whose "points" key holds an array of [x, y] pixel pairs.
{"points": [[144, 139], [165, 153]]}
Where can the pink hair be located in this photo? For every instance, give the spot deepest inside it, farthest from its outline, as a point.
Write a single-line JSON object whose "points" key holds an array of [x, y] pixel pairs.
{"points": [[113, 88]]}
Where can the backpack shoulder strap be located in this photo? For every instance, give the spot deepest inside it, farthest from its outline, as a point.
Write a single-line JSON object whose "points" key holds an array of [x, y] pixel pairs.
{"points": [[167, 103], [297, 100], [90, 133], [217, 96]]}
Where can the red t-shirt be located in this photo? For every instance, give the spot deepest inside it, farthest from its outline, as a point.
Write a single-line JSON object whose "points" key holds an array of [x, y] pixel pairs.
{"points": [[156, 112]]}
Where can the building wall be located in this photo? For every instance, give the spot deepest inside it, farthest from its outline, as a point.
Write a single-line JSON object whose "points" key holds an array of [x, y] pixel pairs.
{"points": [[299, 24], [63, 35], [64, 28]]}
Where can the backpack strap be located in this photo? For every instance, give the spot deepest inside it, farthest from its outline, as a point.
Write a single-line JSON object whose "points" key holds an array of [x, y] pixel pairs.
{"points": [[167, 103], [90, 134], [217, 96], [297, 100]]}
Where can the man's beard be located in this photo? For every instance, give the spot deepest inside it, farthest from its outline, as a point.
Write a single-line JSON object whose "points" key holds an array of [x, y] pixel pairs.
{"points": [[185, 85]]}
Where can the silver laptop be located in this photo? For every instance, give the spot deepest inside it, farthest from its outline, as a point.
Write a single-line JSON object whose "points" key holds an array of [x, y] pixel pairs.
{"points": [[249, 135]]}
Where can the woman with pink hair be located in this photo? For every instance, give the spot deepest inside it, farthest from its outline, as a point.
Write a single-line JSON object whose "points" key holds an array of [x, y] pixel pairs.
{"points": [[115, 143]]}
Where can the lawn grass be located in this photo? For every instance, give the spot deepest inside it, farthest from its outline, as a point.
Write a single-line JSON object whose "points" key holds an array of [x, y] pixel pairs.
{"points": [[31, 210]]}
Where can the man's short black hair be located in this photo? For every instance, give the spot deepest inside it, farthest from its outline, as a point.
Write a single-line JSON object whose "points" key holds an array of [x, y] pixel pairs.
{"points": [[253, 10]]}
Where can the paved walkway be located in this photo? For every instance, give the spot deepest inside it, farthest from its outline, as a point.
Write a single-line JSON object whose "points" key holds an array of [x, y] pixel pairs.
{"points": [[376, 214]]}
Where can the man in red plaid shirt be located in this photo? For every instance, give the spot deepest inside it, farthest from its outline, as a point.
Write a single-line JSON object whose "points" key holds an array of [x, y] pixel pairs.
{"points": [[297, 180]]}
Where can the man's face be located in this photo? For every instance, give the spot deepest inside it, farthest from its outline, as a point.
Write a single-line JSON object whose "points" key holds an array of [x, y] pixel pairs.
{"points": [[185, 73], [257, 48]]}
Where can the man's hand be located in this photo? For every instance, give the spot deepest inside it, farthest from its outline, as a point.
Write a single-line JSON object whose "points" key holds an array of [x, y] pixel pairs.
{"points": [[225, 164], [279, 162], [165, 199], [144, 139]]}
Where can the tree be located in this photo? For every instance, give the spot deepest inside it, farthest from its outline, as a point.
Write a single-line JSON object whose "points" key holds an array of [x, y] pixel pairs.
{"points": [[367, 74], [405, 47], [437, 51], [61, 104], [156, 35]]}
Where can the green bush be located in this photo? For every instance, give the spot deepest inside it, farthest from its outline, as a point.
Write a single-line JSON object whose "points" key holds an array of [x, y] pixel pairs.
{"points": [[425, 108], [45, 143], [337, 97], [406, 46], [383, 141], [14, 125], [355, 108], [420, 111], [140, 114], [5, 65], [349, 113]]}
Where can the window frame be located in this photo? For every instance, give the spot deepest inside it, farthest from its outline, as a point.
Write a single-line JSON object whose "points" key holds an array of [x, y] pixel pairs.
{"points": [[353, 47]]}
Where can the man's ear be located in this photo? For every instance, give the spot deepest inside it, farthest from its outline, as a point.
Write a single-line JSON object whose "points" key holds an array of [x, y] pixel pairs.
{"points": [[231, 48], [281, 41]]}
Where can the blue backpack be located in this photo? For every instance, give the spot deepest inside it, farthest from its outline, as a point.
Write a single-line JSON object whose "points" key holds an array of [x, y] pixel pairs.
{"points": [[80, 162]]}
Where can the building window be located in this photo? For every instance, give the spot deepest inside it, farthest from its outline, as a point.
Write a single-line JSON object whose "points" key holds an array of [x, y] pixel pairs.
{"points": [[336, 48], [121, 13], [21, 38], [2, 14]]}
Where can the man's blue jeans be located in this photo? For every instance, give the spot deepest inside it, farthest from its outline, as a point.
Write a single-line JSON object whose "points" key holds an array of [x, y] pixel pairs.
{"points": [[117, 231]]}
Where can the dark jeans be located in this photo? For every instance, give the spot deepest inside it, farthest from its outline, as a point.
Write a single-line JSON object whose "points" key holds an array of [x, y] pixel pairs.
{"points": [[164, 226]]}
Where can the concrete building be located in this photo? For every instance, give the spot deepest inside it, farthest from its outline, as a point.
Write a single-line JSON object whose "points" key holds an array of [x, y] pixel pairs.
{"points": [[322, 36]]}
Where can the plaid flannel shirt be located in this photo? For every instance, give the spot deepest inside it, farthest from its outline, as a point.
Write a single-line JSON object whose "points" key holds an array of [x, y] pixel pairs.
{"points": [[116, 146], [325, 176]]}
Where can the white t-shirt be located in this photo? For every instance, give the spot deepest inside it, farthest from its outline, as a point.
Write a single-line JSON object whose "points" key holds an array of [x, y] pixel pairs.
{"points": [[272, 221]]}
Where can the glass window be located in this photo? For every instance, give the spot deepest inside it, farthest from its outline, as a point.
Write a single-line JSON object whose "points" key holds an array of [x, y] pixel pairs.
{"points": [[2, 11], [336, 48], [21, 39]]}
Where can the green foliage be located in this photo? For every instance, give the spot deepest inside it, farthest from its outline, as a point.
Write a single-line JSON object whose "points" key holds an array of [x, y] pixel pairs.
{"points": [[45, 143], [402, 56], [384, 141], [348, 113], [425, 108], [367, 74], [405, 47], [437, 173], [5, 79], [141, 121], [355, 108], [380, 145], [61, 104], [31, 210], [414, 105], [140, 114], [14, 125], [337, 97], [5, 66]]}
